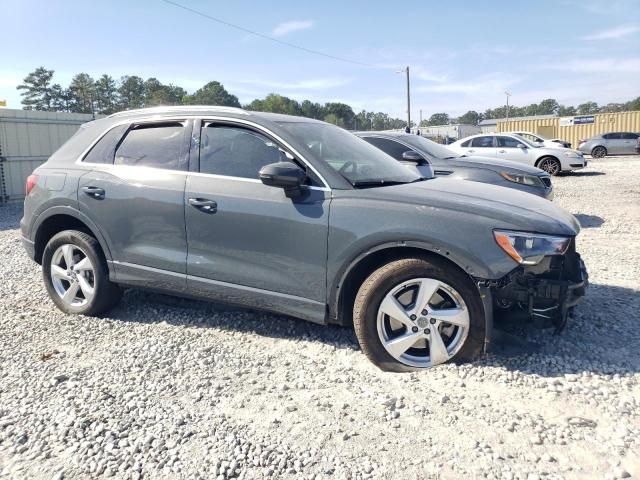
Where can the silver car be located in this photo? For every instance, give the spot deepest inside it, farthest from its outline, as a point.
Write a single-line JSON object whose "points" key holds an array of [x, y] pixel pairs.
{"points": [[613, 143], [507, 146], [543, 142]]}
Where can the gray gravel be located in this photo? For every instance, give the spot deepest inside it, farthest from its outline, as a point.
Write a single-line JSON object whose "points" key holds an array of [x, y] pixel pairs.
{"points": [[170, 388]]}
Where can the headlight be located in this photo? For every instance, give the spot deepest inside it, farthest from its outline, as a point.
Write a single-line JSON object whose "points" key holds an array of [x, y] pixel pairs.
{"points": [[523, 179], [530, 248], [572, 154]]}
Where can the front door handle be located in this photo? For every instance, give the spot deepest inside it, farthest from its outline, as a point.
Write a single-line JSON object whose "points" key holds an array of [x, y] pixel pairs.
{"points": [[94, 192], [502, 151], [470, 151], [204, 205]]}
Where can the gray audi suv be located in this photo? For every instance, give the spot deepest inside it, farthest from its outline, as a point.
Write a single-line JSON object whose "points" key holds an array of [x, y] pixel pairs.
{"points": [[298, 217]]}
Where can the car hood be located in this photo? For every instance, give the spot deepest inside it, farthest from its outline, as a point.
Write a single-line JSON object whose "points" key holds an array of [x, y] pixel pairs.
{"points": [[501, 165], [506, 207]]}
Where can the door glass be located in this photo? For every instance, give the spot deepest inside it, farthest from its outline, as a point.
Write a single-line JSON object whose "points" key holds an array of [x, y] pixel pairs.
{"points": [[508, 142], [236, 152], [630, 136], [153, 145], [482, 142]]}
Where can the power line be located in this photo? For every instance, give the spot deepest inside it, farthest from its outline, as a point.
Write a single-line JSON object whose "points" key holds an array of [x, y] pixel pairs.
{"points": [[267, 37]]}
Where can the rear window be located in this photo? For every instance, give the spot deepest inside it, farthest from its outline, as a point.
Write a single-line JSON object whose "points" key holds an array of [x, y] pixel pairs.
{"points": [[630, 136], [104, 150], [482, 142], [153, 145]]}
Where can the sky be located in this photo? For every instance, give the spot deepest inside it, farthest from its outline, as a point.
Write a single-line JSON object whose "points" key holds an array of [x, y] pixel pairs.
{"points": [[462, 55]]}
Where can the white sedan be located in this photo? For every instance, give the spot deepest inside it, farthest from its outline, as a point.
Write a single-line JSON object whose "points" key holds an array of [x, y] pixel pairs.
{"points": [[507, 146], [541, 141]]}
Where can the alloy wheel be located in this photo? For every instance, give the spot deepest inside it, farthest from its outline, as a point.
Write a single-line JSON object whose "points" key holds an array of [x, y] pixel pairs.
{"points": [[73, 275], [549, 165], [423, 322]]}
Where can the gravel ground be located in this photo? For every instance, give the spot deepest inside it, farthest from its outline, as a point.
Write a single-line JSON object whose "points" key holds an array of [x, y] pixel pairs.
{"points": [[169, 388]]}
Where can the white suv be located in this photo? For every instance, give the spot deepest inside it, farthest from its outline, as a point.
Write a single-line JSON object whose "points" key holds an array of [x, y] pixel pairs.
{"points": [[508, 146], [543, 142]]}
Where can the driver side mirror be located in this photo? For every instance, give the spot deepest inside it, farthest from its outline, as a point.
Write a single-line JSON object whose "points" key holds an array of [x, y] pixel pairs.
{"points": [[285, 175], [413, 156], [522, 145]]}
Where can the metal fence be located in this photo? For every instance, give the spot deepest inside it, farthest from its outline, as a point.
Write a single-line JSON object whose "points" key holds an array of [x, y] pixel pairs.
{"points": [[27, 139]]}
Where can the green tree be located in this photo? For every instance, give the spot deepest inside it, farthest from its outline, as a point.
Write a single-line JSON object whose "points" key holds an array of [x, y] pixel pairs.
{"points": [[439, 119], [60, 98], [213, 93], [470, 118], [131, 92], [612, 107], [82, 92], [632, 105], [37, 93], [106, 99], [156, 93], [588, 108], [276, 104], [311, 109], [548, 106], [343, 112], [565, 111]]}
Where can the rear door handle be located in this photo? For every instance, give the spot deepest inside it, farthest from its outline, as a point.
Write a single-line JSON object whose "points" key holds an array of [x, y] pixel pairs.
{"points": [[94, 192], [204, 205]]}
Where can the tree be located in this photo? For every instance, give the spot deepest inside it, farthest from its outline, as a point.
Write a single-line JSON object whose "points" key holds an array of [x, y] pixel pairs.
{"points": [[82, 92], [156, 93], [588, 108], [632, 105], [131, 92], [548, 106], [470, 118], [106, 99], [310, 109], [37, 90], [276, 104], [564, 111], [60, 98], [612, 107], [213, 93], [343, 112], [439, 119]]}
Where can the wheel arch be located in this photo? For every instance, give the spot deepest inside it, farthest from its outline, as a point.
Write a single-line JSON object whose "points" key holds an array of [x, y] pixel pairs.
{"points": [[58, 219], [350, 278]]}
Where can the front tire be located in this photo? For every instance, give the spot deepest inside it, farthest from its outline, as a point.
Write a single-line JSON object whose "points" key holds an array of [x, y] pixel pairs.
{"points": [[76, 275], [599, 152], [550, 165], [412, 314]]}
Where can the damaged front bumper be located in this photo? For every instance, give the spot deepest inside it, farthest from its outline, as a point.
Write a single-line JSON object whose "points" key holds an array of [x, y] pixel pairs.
{"points": [[546, 292]]}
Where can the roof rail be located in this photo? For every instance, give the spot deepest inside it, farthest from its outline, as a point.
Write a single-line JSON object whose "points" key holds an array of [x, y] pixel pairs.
{"points": [[178, 109]]}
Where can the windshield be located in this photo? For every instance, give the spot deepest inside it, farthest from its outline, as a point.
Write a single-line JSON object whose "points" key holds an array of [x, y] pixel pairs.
{"points": [[363, 165], [432, 148], [526, 141], [529, 137]]}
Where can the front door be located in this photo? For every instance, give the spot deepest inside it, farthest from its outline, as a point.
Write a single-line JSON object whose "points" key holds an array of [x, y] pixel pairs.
{"points": [[135, 194], [512, 149], [247, 242]]}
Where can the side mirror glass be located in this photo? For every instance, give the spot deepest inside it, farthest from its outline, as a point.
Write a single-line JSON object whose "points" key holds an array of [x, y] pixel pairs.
{"points": [[285, 175], [522, 145], [412, 156]]}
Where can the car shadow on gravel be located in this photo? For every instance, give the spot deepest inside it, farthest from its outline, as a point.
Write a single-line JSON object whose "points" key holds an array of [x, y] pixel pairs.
{"points": [[591, 342], [581, 174], [605, 314], [203, 314]]}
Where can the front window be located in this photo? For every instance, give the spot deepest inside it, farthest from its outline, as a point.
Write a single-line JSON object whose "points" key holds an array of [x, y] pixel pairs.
{"points": [[363, 165], [482, 142]]}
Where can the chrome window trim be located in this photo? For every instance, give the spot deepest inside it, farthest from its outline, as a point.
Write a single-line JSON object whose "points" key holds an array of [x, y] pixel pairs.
{"points": [[176, 118]]}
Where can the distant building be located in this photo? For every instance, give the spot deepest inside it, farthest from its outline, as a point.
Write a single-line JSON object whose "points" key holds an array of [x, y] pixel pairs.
{"points": [[491, 124], [454, 131]]}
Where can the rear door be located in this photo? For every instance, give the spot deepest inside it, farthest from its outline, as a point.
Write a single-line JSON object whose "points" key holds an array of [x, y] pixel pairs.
{"points": [[614, 143], [253, 245], [135, 195]]}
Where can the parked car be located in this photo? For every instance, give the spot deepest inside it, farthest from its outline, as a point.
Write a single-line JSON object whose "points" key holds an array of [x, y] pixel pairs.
{"points": [[426, 157], [543, 142], [613, 143], [298, 217], [512, 147]]}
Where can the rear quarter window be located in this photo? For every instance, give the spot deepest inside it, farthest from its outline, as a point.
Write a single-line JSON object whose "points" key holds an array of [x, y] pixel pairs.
{"points": [[104, 149]]}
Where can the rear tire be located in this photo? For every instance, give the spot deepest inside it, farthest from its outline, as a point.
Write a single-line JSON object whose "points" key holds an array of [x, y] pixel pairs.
{"points": [[599, 152], [76, 275], [455, 298]]}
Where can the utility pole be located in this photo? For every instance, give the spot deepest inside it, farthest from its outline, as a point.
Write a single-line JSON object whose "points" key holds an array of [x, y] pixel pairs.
{"points": [[406, 70], [508, 94], [420, 124]]}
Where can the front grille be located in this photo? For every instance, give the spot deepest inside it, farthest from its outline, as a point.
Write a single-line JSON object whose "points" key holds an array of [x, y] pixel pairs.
{"points": [[546, 181]]}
